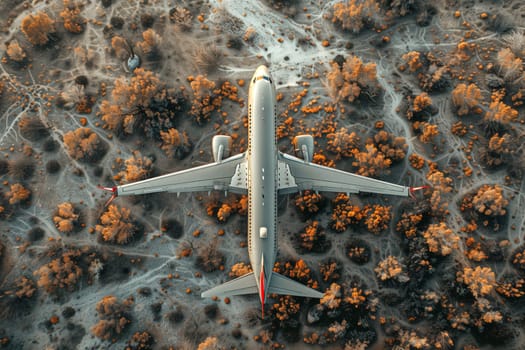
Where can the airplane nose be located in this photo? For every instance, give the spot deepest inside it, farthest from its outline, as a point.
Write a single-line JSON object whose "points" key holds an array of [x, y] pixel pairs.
{"points": [[262, 71]]}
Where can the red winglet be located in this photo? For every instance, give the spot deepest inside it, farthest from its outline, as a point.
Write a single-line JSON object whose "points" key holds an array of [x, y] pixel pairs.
{"points": [[112, 190], [412, 190]]}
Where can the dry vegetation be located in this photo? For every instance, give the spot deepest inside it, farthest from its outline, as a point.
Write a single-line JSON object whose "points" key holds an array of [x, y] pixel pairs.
{"points": [[114, 317], [61, 274], [438, 279], [352, 79], [117, 225], [38, 28], [85, 145]]}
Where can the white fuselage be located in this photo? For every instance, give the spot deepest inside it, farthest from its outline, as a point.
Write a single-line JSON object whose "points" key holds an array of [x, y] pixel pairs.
{"points": [[262, 178]]}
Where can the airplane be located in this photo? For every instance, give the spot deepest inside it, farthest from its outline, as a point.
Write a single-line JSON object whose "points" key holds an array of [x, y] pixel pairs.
{"points": [[263, 173]]}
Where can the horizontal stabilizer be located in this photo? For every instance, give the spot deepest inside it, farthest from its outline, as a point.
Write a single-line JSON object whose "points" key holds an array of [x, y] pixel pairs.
{"points": [[280, 284], [242, 285]]}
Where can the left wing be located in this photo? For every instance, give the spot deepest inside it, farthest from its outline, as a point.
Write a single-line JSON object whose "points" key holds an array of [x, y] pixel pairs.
{"points": [[226, 175], [297, 175]]}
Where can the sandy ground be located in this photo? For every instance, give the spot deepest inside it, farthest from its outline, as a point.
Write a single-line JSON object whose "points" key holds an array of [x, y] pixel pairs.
{"points": [[292, 46]]}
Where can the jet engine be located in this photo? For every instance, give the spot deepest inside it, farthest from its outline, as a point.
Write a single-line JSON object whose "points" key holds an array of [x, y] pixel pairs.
{"points": [[221, 146], [304, 147]]}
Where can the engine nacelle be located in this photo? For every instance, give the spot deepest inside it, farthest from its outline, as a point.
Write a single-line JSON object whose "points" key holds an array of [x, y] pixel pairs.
{"points": [[304, 147], [221, 146]]}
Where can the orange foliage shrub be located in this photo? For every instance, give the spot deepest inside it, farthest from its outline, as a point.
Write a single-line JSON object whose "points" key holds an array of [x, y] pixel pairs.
{"points": [[342, 143], [346, 83], [137, 168], [114, 317], [24, 288], [459, 129], [205, 99], [510, 66], [413, 59], [519, 259], [15, 52], [18, 194], [65, 217], [391, 268], [377, 217], [210, 343], [116, 226], [38, 28], [441, 239], [441, 185], [355, 297], [150, 46], [242, 205], [416, 161], [73, 21], [330, 270], [500, 145], [285, 308], [391, 146], [298, 271], [332, 297], [121, 47], [129, 98], [489, 201], [344, 213], [61, 273], [475, 253], [15, 298], [428, 131], [175, 144], [140, 341], [84, 144], [480, 280], [512, 289], [421, 102], [371, 163], [321, 159], [466, 98], [313, 238], [182, 17], [308, 202], [408, 224], [224, 212], [499, 111], [354, 14], [240, 269]]}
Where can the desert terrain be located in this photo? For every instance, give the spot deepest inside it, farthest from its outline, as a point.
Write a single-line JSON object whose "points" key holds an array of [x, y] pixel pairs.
{"points": [[108, 92]]}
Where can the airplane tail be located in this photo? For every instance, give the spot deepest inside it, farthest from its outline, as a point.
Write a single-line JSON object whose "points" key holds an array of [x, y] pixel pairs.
{"points": [[284, 285], [247, 284]]}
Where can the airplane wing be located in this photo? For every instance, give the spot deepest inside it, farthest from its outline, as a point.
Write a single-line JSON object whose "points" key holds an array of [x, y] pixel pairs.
{"points": [[297, 175], [228, 175], [245, 284], [280, 284]]}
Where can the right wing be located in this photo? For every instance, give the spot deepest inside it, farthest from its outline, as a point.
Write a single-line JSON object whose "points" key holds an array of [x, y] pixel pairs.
{"points": [[297, 175], [228, 175], [280, 284]]}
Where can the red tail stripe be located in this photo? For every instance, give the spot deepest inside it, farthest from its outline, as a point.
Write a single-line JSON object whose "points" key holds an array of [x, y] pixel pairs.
{"points": [[261, 286]]}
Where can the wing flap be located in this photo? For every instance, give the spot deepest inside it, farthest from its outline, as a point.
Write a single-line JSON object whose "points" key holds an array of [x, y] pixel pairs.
{"points": [[242, 285], [280, 284], [228, 175], [311, 176]]}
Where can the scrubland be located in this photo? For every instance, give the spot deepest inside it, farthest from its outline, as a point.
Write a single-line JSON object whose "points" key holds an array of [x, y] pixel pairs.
{"points": [[107, 92]]}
